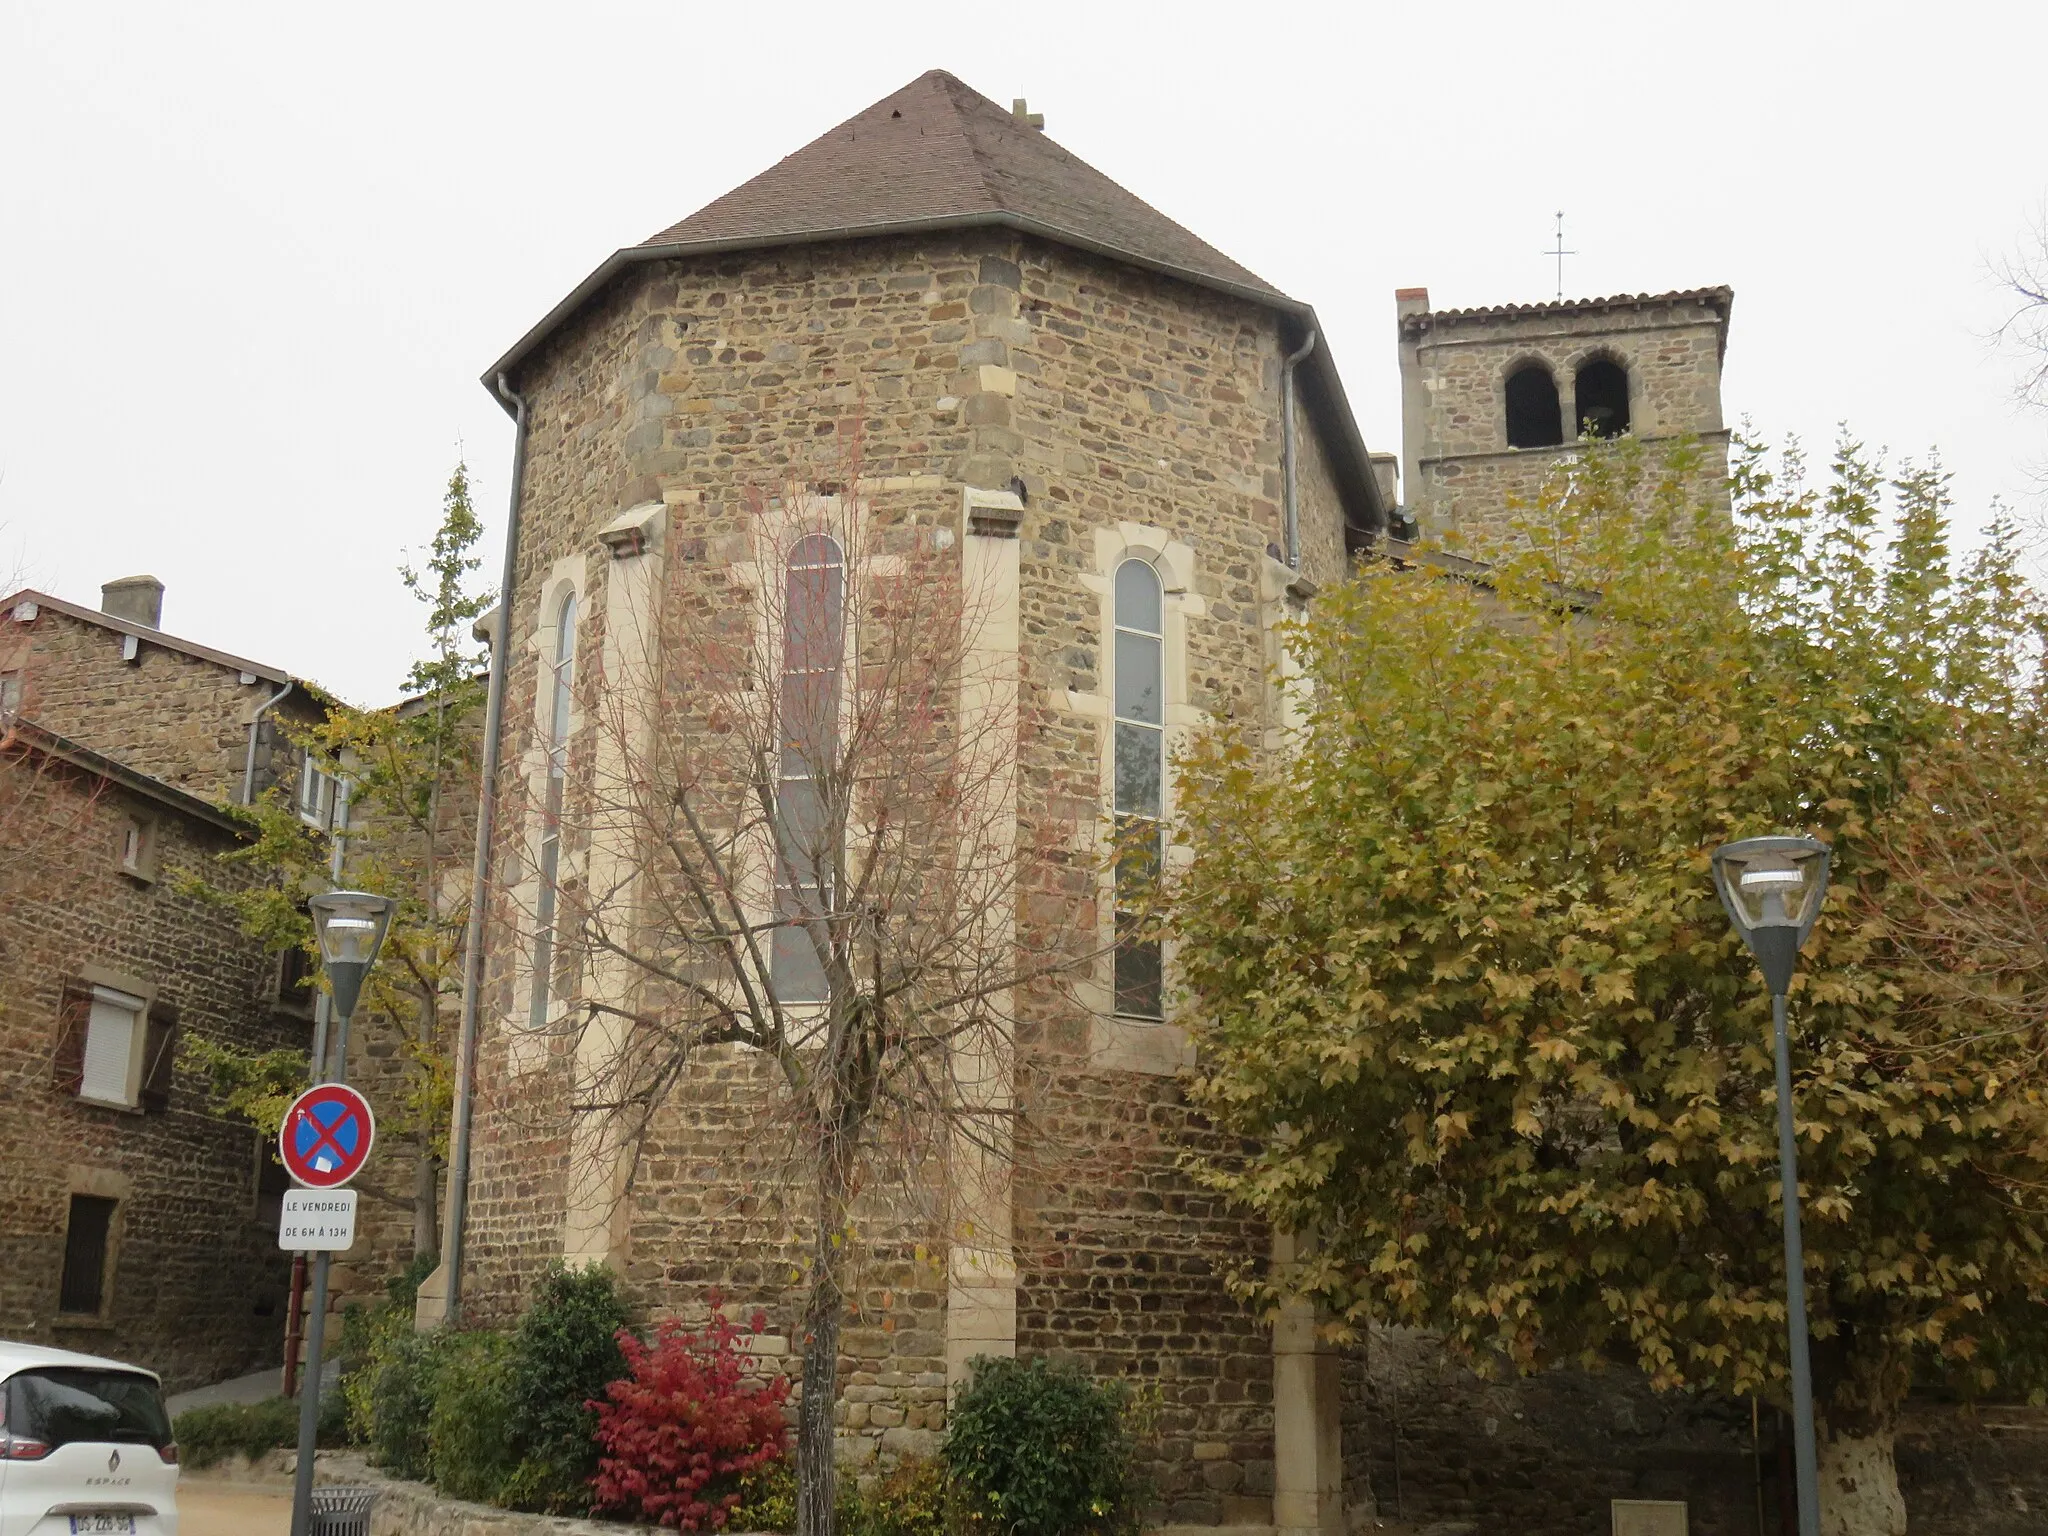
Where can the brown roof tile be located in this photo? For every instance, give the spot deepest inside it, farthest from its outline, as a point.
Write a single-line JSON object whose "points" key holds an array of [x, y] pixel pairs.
{"points": [[939, 155], [1714, 298], [939, 152]]}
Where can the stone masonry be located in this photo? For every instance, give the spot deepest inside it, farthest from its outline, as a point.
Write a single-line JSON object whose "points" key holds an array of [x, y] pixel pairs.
{"points": [[181, 713], [195, 1285], [1460, 476], [1089, 399], [170, 708], [1114, 409]]}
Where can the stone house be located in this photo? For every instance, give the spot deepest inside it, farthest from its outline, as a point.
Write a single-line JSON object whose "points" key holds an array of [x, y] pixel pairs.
{"points": [[209, 729], [133, 1220], [184, 713], [1146, 449]]}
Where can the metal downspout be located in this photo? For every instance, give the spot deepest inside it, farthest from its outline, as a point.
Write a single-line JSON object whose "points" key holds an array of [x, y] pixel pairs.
{"points": [[255, 728], [1291, 517], [457, 1203]]}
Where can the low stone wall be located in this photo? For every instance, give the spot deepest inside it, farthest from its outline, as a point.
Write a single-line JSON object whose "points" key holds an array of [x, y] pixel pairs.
{"points": [[413, 1509]]}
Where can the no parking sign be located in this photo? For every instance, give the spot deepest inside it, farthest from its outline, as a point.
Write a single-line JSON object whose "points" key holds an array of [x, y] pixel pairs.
{"points": [[327, 1135]]}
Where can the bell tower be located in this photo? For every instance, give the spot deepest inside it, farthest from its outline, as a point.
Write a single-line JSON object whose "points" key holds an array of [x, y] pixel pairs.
{"points": [[1492, 398]]}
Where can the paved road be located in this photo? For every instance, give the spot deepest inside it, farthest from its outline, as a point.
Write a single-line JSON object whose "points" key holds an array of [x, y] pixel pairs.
{"points": [[207, 1508]]}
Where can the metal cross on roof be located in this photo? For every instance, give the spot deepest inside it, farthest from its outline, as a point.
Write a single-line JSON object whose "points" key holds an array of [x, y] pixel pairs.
{"points": [[1560, 253]]}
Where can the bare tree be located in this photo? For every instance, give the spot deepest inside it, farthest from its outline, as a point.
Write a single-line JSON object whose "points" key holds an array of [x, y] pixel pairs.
{"points": [[2024, 276], [800, 838]]}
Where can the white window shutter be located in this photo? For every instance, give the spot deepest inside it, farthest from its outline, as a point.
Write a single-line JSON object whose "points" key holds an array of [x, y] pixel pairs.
{"points": [[110, 1041]]}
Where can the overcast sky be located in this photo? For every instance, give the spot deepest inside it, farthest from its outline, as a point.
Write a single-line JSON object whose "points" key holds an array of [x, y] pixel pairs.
{"points": [[253, 257]]}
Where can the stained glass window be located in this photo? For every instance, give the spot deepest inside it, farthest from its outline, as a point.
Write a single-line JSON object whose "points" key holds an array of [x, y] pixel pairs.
{"points": [[1138, 673], [560, 681], [806, 858]]}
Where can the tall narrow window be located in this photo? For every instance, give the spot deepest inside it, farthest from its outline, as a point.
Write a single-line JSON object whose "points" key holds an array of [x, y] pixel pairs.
{"points": [[1139, 669], [560, 682], [83, 1288], [807, 852]]}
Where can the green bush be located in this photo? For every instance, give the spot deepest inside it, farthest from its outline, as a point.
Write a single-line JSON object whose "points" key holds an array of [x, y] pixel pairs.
{"points": [[469, 1447], [391, 1398], [386, 1375], [1041, 1450], [562, 1354], [768, 1500], [209, 1435], [910, 1498]]}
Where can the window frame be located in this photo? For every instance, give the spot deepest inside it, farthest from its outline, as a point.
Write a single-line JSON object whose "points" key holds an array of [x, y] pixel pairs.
{"points": [[100, 995], [1599, 359], [138, 848], [796, 973], [319, 792], [103, 1281], [1554, 412]]}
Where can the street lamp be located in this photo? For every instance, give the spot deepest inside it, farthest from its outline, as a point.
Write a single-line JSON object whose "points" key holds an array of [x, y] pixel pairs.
{"points": [[349, 928], [1773, 888]]}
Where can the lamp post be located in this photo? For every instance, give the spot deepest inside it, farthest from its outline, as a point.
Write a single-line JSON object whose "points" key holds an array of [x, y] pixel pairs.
{"points": [[349, 928], [1773, 888]]}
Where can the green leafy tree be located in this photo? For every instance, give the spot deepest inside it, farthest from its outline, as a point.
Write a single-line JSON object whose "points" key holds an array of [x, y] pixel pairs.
{"points": [[410, 772], [1460, 982]]}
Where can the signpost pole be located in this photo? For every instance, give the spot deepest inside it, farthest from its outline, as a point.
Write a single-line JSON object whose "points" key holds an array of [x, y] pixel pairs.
{"points": [[309, 1399], [349, 927]]}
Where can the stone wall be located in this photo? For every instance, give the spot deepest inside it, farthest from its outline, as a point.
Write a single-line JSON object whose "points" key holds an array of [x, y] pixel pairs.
{"points": [[198, 1284], [1122, 406], [1544, 1455], [1460, 476], [172, 715]]}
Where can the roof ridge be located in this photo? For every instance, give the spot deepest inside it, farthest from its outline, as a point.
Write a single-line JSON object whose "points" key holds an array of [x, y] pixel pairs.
{"points": [[28, 735], [150, 633], [1713, 292], [984, 167]]}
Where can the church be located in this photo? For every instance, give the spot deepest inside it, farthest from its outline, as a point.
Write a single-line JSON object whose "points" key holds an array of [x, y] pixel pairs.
{"points": [[1145, 454]]}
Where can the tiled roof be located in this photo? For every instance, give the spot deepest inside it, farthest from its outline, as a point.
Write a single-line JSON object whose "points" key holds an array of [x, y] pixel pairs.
{"points": [[938, 152], [1714, 298], [939, 155]]}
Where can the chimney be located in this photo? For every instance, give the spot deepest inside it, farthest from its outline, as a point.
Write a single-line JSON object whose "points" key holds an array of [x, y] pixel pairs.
{"points": [[138, 599], [1386, 473], [1410, 301]]}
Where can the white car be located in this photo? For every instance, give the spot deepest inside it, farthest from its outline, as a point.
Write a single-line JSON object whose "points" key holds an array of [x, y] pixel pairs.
{"points": [[85, 1446]]}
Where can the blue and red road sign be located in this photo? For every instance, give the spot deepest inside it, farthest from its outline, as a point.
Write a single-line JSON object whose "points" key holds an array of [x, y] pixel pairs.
{"points": [[327, 1136]]}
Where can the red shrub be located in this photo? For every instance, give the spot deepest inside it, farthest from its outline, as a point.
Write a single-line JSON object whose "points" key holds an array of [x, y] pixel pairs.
{"points": [[685, 1424]]}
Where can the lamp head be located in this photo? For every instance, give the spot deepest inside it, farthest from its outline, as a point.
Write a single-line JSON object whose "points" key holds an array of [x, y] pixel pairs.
{"points": [[1772, 888], [349, 927]]}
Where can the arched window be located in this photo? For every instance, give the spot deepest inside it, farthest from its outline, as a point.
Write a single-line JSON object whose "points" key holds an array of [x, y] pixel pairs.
{"points": [[1139, 675], [560, 683], [1600, 392], [807, 849], [1534, 420]]}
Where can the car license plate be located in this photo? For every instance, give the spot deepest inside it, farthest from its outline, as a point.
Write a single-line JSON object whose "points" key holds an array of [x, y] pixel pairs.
{"points": [[102, 1525]]}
